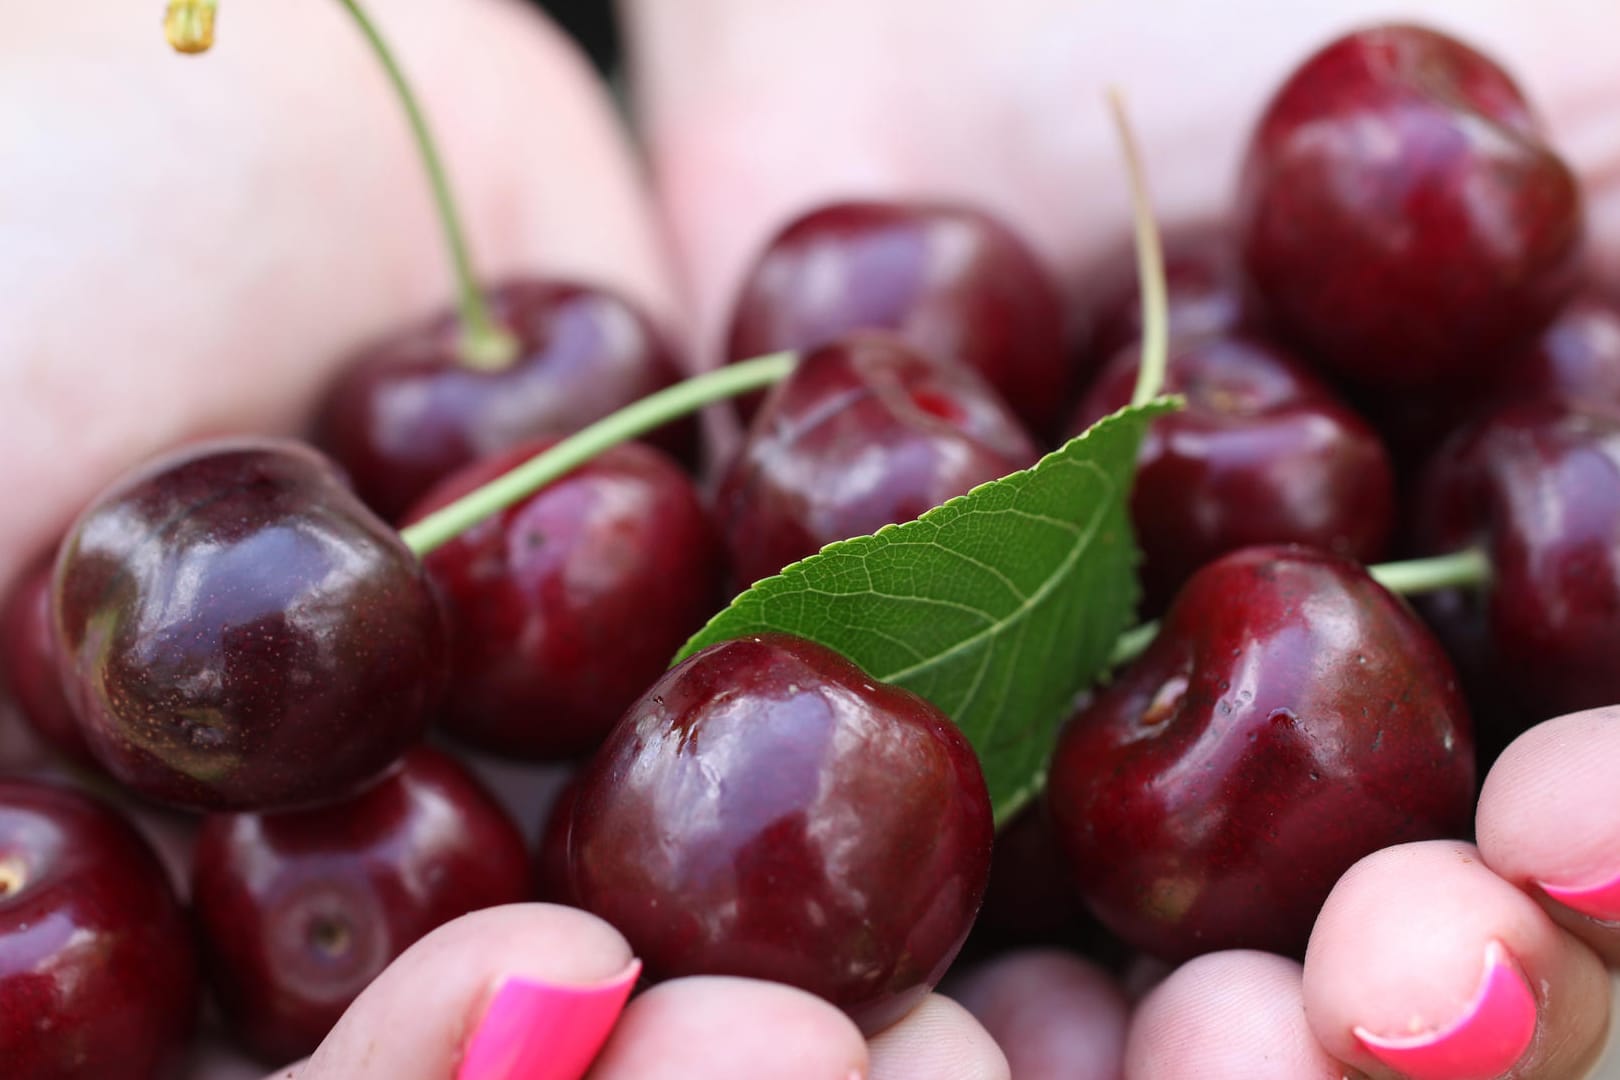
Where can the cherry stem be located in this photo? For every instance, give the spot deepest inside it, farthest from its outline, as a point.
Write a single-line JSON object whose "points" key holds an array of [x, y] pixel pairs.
{"points": [[652, 411], [1149, 263], [189, 25], [1469, 568], [484, 344]]}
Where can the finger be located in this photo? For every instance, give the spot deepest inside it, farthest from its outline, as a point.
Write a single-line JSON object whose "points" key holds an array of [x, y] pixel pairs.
{"points": [[197, 242], [1547, 823], [938, 1040], [1055, 1016], [1425, 963], [714, 1028], [1001, 105], [1227, 1015], [484, 998]]}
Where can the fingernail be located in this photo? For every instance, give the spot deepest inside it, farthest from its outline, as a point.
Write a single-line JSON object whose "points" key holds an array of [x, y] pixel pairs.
{"points": [[1492, 1033], [1600, 901], [534, 1030]]}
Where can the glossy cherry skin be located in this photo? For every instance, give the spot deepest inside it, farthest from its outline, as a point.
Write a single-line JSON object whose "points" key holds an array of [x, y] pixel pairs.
{"points": [[237, 631], [1206, 289], [1263, 452], [1290, 718], [299, 911], [767, 810], [406, 412], [566, 606], [953, 282], [864, 433], [1538, 486], [98, 974], [28, 666], [1401, 214]]}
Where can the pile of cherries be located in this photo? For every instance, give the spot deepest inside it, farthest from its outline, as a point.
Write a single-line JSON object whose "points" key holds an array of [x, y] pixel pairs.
{"points": [[239, 629]]}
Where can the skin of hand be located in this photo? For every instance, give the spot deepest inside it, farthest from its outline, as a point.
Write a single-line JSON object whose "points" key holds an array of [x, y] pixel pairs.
{"points": [[193, 245]]}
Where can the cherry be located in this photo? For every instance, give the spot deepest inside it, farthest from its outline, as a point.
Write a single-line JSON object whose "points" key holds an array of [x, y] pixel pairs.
{"points": [[98, 975], [28, 665], [767, 810], [408, 411], [1263, 453], [1536, 484], [300, 910], [953, 282], [1400, 212], [1207, 292], [1577, 357], [1290, 717], [865, 432], [551, 858], [237, 631], [566, 606]]}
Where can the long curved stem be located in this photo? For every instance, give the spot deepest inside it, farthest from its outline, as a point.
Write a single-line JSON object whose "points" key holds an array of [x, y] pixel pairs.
{"points": [[1149, 264], [484, 344]]}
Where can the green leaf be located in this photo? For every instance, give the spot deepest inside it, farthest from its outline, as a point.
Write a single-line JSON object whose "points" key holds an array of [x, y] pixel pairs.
{"points": [[999, 606]]}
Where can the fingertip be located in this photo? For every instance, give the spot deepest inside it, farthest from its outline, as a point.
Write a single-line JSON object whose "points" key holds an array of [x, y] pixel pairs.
{"points": [[1054, 1015], [720, 1028], [1425, 961], [938, 1040], [1225, 1015]]}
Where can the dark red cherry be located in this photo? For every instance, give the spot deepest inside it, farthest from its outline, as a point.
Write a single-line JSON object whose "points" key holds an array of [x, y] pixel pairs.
{"points": [[28, 666], [864, 433], [98, 975], [1207, 290], [1538, 486], [1263, 452], [407, 412], [237, 631], [551, 859], [768, 810], [1291, 717], [300, 910], [566, 606], [1576, 357], [1402, 215], [953, 282]]}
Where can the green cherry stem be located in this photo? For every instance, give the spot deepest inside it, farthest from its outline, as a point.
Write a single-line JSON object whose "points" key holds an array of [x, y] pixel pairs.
{"points": [[1149, 263], [1469, 568], [484, 344], [653, 411]]}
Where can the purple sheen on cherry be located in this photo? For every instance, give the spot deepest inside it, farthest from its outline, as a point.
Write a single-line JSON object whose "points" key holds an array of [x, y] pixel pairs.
{"points": [[1291, 717], [955, 283], [1207, 293], [1401, 213], [98, 973], [1263, 452], [1537, 484], [406, 412], [300, 910], [767, 810], [29, 669], [564, 607], [864, 433], [237, 631]]}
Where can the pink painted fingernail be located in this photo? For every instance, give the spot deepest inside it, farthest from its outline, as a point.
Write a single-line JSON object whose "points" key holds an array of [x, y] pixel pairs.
{"points": [[1492, 1033], [1601, 901], [535, 1030]]}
